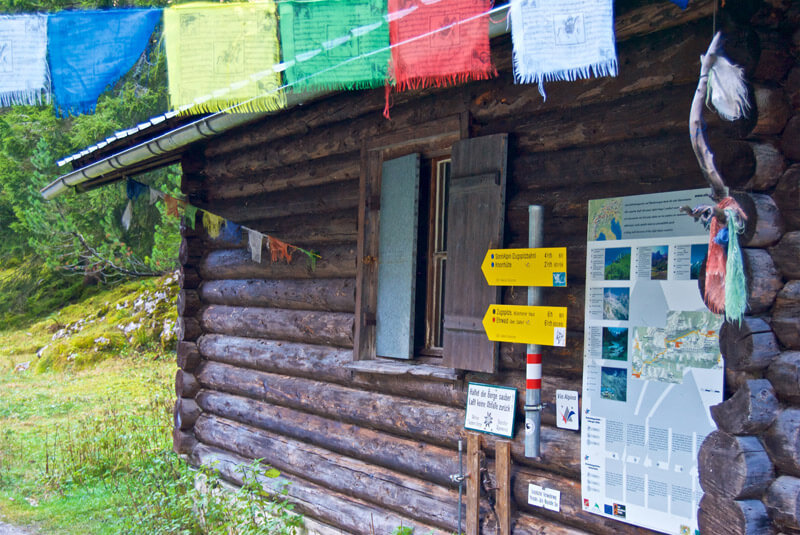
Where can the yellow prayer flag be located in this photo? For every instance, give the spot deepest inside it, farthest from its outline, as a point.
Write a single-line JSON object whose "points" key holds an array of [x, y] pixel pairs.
{"points": [[221, 56]]}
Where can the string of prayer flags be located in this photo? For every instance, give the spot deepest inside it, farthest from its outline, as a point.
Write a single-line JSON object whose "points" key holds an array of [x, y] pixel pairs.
{"points": [[278, 249], [190, 215], [23, 60], [220, 57], [91, 50], [231, 232], [212, 223], [172, 205], [439, 43], [134, 189], [127, 215], [155, 195], [254, 243], [562, 40], [334, 44]]}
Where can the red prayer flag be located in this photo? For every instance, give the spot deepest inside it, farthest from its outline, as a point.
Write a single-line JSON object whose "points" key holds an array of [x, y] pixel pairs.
{"points": [[440, 50]]}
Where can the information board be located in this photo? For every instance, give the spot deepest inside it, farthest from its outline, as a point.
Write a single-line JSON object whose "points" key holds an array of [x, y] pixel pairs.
{"points": [[652, 365]]}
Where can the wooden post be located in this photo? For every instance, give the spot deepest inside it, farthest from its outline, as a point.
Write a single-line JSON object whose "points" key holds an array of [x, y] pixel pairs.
{"points": [[503, 476], [473, 520]]}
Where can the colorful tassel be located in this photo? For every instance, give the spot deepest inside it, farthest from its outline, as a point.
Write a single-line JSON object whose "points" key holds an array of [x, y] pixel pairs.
{"points": [[716, 261], [735, 281]]}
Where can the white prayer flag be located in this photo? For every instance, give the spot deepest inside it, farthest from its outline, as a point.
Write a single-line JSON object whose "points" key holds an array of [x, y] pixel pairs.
{"points": [[24, 78], [562, 40], [254, 240]]}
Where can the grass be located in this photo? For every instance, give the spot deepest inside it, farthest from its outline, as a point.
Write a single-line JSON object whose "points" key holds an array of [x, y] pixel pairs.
{"points": [[86, 402]]}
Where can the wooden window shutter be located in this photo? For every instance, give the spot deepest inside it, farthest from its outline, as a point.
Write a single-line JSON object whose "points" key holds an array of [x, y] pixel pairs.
{"points": [[397, 257], [475, 221]]}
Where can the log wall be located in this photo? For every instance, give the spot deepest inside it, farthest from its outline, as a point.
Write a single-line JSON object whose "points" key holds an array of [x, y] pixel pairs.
{"points": [[264, 348]]}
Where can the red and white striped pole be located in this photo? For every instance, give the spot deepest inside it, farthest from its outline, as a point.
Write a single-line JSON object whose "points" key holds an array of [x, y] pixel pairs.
{"points": [[533, 371]]}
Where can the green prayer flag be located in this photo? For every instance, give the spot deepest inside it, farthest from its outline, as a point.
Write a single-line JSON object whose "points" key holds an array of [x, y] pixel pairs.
{"points": [[334, 44], [190, 213]]}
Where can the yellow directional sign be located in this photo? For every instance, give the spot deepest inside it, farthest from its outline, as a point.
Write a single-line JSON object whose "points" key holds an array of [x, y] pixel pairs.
{"points": [[546, 326], [546, 266]]}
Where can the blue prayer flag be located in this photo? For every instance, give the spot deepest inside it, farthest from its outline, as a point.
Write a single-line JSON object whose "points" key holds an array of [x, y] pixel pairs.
{"points": [[91, 50]]}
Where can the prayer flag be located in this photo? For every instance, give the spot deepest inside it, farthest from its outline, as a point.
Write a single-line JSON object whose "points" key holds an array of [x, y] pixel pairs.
{"points": [[134, 189], [562, 40], [212, 223], [91, 50], [220, 57], [439, 43], [231, 232], [335, 44], [254, 242], [683, 4], [190, 215], [23, 60]]}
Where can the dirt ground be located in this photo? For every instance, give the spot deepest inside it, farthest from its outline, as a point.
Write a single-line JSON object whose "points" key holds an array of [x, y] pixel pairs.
{"points": [[8, 529]]}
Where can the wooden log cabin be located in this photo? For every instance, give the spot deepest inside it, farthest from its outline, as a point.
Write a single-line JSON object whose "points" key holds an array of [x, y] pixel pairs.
{"points": [[356, 393]]}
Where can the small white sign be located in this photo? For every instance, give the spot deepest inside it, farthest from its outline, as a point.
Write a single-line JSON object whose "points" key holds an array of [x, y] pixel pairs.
{"points": [[567, 414], [491, 409], [542, 497]]}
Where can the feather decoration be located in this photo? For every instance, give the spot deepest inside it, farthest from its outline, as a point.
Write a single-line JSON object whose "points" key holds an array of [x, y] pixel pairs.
{"points": [[727, 89]]}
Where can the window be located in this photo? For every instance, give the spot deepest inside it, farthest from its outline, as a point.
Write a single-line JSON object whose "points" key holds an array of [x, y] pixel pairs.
{"points": [[424, 228]]}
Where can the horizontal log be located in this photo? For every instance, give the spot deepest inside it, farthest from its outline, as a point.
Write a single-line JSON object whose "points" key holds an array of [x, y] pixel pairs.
{"points": [[313, 231], [186, 413], [734, 380], [723, 516], [401, 416], [786, 253], [187, 329], [421, 500], [783, 503], [291, 203], [749, 411], [188, 279], [763, 279], [786, 315], [782, 441], [790, 140], [331, 295], [334, 261], [188, 303], [787, 196], [772, 109], [784, 374], [187, 356], [770, 165], [306, 326], [183, 442], [305, 360], [767, 222], [343, 512], [748, 346], [734, 467], [314, 172], [775, 59], [186, 385]]}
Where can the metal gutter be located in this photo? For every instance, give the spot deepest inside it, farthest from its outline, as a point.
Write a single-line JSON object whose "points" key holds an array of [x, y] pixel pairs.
{"points": [[114, 167]]}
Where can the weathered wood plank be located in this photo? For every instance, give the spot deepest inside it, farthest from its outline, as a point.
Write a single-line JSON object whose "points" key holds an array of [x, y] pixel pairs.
{"points": [[786, 253], [329, 295], [782, 441], [326, 328], [784, 374]]}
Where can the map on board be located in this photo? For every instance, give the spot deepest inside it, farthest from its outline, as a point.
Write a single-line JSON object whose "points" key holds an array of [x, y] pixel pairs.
{"points": [[689, 340], [605, 220]]}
